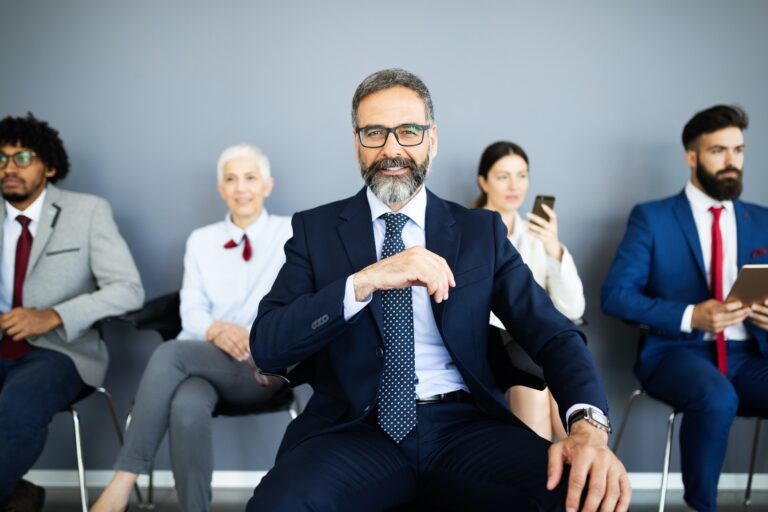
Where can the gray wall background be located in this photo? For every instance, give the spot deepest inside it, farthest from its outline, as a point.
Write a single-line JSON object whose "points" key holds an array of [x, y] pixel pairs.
{"points": [[147, 94]]}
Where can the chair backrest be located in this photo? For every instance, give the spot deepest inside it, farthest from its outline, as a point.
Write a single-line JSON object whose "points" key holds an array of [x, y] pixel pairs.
{"points": [[160, 314]]}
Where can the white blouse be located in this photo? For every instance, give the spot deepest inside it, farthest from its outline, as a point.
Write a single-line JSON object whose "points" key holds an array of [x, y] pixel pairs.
{"points": [[559, 278]]}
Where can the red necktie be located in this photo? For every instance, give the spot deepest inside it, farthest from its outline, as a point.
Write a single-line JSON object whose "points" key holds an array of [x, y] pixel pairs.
{"points": [[717, 282], [10, 349], [247, 250]]}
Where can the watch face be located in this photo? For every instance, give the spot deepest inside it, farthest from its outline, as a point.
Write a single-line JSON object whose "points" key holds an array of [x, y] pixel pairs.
{"points": [[598, 417]]}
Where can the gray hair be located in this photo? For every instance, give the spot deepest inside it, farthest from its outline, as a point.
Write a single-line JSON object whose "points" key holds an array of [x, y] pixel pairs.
{"points": [[243, 151], [387, 79]]}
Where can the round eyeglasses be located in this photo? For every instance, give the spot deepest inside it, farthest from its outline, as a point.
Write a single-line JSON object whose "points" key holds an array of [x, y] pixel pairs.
{"points": [[21, 159]]}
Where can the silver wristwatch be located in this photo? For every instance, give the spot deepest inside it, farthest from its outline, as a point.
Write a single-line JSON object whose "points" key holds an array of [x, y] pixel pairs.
{"points": [[593, 416]]}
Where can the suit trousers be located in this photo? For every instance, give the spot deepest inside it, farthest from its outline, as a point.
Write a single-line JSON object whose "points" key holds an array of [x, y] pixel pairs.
{"points": [[456, 458], [688, 379], [178, 392], [32, 389]]}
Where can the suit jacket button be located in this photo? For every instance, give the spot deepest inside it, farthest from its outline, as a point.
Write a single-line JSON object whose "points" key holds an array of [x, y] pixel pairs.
{"points": [[379, 352]]}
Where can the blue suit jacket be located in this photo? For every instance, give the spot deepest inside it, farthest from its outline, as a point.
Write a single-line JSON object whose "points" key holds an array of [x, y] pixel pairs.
{"points": [[659, 270], [301, 320]]}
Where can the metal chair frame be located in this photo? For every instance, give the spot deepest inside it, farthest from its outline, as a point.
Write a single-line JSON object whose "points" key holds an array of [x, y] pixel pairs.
{"points": [[668, 446], [78, 440]]}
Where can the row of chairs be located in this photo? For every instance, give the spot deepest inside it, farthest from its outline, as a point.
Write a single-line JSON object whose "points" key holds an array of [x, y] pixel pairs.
{"points": [[162, 315]]}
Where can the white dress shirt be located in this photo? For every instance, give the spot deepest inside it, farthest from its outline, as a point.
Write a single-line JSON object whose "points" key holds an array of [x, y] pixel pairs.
{"points": [[11, 232], [435, 370], [700, 204], [559, 278], [218, 283]]}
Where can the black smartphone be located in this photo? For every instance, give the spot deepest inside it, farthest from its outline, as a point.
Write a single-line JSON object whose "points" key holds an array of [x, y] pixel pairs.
{"points": [[547, 200]]}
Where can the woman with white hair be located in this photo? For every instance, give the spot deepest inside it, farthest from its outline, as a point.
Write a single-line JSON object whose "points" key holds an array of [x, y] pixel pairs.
{"points": [[228, 267]]}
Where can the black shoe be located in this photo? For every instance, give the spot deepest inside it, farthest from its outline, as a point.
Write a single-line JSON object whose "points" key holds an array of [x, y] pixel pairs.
{"points": [[26, 497]]}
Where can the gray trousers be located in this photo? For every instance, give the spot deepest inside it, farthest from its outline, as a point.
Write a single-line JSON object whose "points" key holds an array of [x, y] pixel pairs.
{"points": [[178, 392]]}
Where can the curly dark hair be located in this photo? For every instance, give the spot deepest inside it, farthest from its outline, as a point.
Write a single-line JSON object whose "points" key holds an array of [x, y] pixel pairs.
{"points": [[30, 132]]}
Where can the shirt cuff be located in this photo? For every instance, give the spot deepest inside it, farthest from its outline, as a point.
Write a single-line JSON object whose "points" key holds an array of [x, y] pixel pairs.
{"points": [[351, 305], [553, 264], [685, 324], [576, 407]]}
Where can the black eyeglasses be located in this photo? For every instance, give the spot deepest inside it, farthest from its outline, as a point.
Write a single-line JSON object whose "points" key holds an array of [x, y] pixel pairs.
{"points": [[406, 135], [21, 159]]}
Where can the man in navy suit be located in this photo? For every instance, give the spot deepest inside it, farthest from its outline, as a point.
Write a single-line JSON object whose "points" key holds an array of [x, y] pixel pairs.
{"points": [[677, 262], [383, 305]]}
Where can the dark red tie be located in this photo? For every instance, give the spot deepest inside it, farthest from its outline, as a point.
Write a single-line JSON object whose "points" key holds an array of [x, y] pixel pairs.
{"points": [[717, 282], [10, 349], [247, 250]]}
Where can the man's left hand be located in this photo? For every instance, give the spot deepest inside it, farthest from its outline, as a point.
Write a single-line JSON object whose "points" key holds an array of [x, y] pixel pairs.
{"points": [[759, 315], [586, 450], [21, 323]]}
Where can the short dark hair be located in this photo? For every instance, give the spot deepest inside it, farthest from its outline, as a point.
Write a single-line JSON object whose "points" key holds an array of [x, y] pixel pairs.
{"points": [[37, 135], [387, 79], [713, 119], [490, 156]]}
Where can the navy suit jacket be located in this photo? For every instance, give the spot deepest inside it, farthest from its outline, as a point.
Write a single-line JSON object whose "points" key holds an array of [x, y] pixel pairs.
{"points": [[301, 320], [659, 270]]}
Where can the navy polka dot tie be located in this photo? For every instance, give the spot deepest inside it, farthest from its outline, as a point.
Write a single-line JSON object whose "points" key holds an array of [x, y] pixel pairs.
{"points": [[397, 393]]}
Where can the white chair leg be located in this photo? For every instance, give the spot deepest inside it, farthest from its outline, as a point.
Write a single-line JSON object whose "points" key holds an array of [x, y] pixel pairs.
{"points": [[80, 465], [748, 494], [636, 393], [667, 456]]}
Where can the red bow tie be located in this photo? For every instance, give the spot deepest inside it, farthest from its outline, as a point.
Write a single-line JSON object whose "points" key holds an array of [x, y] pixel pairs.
{"points": [[247, 250]]}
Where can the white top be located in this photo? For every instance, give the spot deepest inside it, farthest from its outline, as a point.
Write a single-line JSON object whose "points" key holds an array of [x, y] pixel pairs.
{"points": [[435, 370], [700, 204], [218, 283], [559, 278], [11, 233]]}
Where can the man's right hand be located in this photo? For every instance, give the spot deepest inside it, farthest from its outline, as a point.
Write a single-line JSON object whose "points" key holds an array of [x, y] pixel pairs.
{"points": [[714, 316], [231, 338], [412, 267]]}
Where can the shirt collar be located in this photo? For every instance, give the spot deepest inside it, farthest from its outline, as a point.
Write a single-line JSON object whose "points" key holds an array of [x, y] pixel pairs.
{"points": [[252, 230], [33, 211], [701, 201], [415, 209]]}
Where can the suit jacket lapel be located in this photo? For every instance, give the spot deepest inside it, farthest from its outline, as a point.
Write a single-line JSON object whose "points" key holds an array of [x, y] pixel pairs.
{"points": [[356, 233], [48, 219], [743, 229], [684, 216], [443, 238]]}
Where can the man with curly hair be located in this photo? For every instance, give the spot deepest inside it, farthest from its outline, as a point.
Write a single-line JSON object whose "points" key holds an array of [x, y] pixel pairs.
{"points": [[64, 267]]}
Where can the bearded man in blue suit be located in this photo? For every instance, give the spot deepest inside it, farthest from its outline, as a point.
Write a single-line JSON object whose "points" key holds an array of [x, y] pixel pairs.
{"points": [[383, 304], [677, 262]]}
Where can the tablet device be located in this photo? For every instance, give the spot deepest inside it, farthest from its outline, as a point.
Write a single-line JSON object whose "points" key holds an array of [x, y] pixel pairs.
{"points": [[751, 285]]}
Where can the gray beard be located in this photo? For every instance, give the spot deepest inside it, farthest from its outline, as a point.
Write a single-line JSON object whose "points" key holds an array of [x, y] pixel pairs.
{"points": [[395, 189]]}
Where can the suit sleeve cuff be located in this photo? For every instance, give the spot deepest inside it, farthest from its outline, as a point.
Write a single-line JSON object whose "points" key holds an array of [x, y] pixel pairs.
{"points": [[685, 323], [351, 305]]}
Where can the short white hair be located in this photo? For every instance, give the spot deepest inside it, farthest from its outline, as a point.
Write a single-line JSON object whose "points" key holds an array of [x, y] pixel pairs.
{"points": [[243, 151]]}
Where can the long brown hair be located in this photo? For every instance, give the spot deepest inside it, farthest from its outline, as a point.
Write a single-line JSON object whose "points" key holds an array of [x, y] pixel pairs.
{"points": [[490, 156]]}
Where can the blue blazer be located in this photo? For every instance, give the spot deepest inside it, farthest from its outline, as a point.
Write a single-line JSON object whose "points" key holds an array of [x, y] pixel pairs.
{"points": [[659, 270], [301, 320]]}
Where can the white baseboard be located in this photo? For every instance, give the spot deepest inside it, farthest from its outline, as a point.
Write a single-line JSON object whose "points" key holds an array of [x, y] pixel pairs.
{"points": [[249, 479], [163, 478]]}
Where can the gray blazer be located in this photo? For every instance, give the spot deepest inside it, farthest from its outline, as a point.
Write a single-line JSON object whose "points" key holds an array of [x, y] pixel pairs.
{"points": [[81, 267]]}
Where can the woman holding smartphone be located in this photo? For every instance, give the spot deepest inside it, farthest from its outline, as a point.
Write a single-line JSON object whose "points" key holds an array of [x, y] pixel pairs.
{"points": [[503, 180]]}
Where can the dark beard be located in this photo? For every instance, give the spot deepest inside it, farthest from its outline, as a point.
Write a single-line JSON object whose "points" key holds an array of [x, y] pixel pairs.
{"points": [[722, 189], [395, 189], [15, 198]]}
